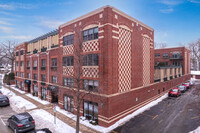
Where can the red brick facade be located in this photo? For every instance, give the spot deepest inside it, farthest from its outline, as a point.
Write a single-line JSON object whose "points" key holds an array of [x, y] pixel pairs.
{"points": [[125, 73]]}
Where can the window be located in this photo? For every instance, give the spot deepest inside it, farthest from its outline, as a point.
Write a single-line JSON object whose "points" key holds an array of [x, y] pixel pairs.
{"points": [[22, 75], [69, 103], [17, 53], [17, 74], [54, 79], [165, 55], [90, 60], [68, 61], [43, 77], [67, 40], [28, 63], [17, 63], [69, 82], [21, 52], [44, 93], [21, 63], [157, 55], [90, 34], [35, 76], [91, 111], [91, 85], [43, 62], [28, 75], [54, 62], [35, 63]]}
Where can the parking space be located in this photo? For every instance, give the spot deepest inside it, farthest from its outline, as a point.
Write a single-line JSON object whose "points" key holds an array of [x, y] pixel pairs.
{"points": [[173, 114], [5, 113]]}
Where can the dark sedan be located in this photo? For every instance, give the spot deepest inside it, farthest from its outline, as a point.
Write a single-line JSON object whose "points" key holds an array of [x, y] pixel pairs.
{"points": [[4, 101], [21, 123]]}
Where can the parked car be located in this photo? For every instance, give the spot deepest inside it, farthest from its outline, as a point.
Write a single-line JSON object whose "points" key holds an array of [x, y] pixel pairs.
{"points": [[4, 101], [187, 85], [182, 88], [44, 130], [1, 93], [22, 122], [174, 92], [191, 82]]}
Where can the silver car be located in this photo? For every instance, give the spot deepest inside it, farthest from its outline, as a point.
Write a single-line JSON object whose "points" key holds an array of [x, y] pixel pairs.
{"points": [[182, 88]]}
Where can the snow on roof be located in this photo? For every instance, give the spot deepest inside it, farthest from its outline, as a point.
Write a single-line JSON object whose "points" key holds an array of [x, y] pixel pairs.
{"points": [[195, 72]]}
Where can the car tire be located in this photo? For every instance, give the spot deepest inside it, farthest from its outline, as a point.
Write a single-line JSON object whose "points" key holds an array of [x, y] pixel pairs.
{"points": [[15, 130], [8, 124]]}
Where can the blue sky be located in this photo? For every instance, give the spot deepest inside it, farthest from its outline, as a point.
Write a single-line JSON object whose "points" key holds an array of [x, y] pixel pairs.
{"points": [[174, 22]]}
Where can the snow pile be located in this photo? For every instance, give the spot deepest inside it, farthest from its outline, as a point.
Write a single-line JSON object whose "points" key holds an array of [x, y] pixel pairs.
{"points": [[118, 123], [43, 119], [16, 89], [37, 99], [196, 130], [17, 103]]}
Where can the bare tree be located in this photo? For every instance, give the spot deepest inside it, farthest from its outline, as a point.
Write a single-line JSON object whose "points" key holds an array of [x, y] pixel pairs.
{"points": [[195, 53], [8, 52], [159, 45], [76, 74]]}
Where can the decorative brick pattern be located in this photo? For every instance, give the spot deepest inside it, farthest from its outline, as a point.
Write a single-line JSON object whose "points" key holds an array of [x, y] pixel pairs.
{"points": [[68, 70], [90, 46], [124, 60], [90, 71], [68, 49], [146, 61], [22, 57]]}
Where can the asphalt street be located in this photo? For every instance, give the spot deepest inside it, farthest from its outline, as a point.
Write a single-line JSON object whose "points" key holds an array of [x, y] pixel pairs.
{"points": [[172, 115], [5, 113]]}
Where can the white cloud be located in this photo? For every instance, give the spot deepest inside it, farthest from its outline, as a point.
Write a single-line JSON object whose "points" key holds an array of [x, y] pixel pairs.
{"points": [[4, 22], [194, 1], [169, 10], [6, 29], [171, 2], [53, 24], [13, 6], [17, 37]]}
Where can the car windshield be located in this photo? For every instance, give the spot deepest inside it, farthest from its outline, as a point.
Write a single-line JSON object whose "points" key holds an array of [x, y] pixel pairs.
{"points": [[174, 90], [181, 87], [3, 98], [186, 83]]}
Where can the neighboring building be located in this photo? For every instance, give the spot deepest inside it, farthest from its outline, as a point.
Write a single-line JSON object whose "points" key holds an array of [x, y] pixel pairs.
{"points": [[171, 63], [118, 65], [195, 74]]}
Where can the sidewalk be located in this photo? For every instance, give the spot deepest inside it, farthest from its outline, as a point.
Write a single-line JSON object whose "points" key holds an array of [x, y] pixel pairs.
{"points": [[49, 108]]}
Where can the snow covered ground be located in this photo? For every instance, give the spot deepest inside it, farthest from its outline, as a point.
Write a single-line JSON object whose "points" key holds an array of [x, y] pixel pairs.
{"points": [[196, 130], [37, 99], [16, 89], [43, 118], [118, 123], [17, 103]]}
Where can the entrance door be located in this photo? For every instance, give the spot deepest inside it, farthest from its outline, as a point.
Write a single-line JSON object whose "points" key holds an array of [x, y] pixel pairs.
{"points": [[54, 96]]}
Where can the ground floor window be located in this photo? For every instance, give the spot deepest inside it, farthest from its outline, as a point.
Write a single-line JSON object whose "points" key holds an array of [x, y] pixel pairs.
{"points": [[35, 90], [91, 111], [22, 86], [69, 103], [43, 93], [17, 84]]}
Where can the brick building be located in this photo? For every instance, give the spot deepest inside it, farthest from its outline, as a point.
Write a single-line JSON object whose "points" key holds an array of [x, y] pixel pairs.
{"points": [[117, 65]]}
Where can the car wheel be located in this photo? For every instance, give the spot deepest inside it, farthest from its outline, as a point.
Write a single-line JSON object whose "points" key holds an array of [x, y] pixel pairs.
{"points": [[8, 124], [15, 130]]}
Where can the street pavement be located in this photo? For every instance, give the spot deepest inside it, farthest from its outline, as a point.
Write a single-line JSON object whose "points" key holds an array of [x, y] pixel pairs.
{"points": [[172, 115], [5, 113]]}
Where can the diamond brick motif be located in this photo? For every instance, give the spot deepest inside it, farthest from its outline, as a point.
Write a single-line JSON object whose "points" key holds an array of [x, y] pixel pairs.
{"points": [[68, 70], [69, 49], [146, 61], [124, 60], [92, 72], [90, 46]]}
